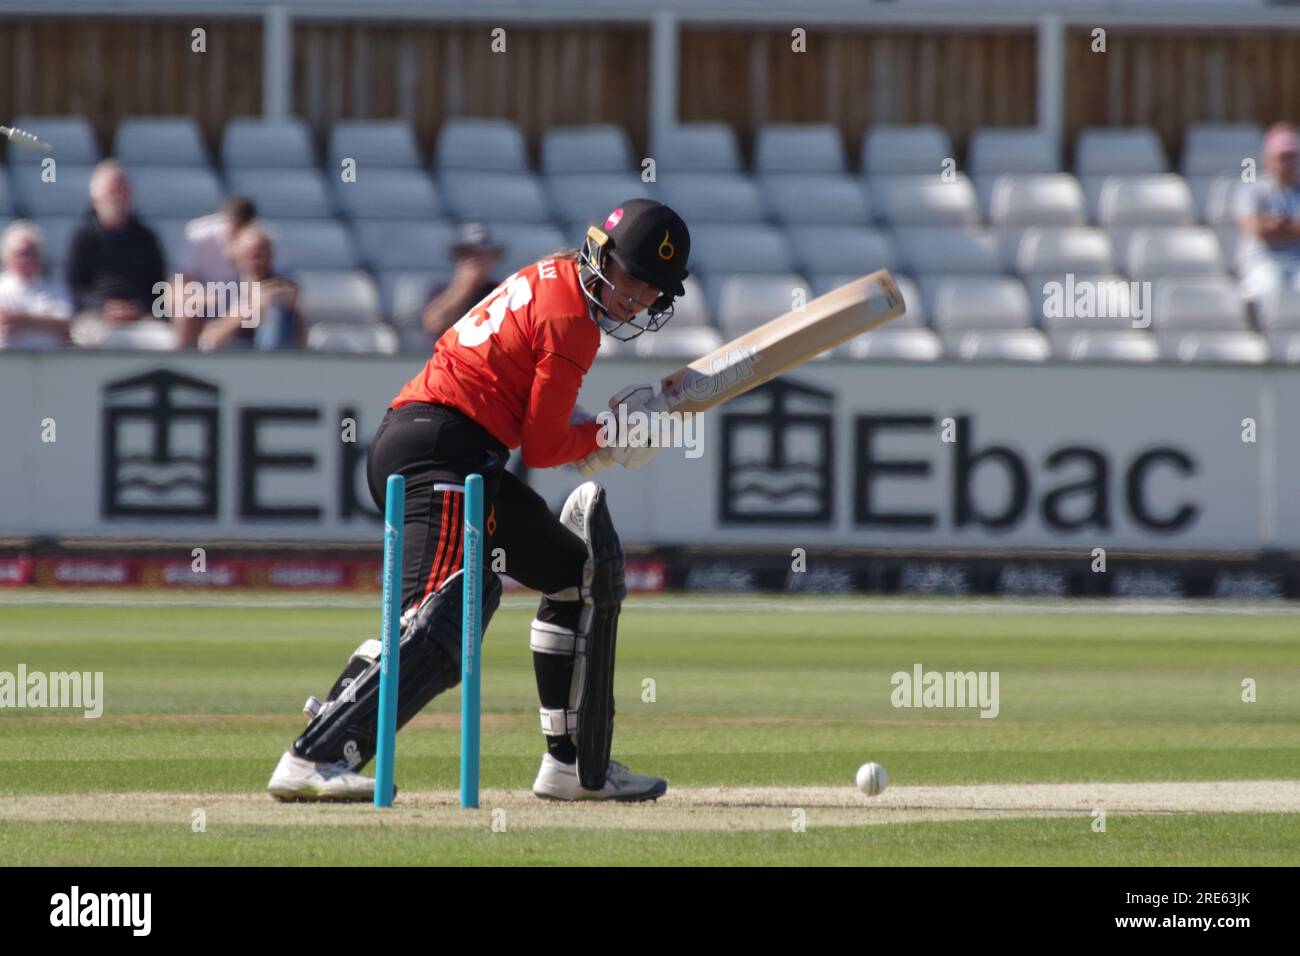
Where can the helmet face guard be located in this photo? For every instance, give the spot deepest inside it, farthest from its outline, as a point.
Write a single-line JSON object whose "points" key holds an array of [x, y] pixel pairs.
{"points": [[592, 259]]}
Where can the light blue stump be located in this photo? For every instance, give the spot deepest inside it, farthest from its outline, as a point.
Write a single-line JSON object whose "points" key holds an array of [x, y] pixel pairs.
{"points": [[471, 642], [386, 749]]}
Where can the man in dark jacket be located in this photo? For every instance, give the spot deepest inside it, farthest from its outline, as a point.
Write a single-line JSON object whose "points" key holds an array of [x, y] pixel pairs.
{"points": [[114, 260]]}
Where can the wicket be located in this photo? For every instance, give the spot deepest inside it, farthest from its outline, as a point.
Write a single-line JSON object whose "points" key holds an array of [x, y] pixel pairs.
{"points": [[386, 745], [471, 639]]}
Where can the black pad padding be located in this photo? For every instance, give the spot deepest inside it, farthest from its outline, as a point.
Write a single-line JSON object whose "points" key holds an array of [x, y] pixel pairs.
{"points": [[605, 590], [429, 664]]}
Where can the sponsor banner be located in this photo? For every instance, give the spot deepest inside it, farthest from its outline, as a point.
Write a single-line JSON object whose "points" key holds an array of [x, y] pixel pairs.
{"points": [[193, 448]]}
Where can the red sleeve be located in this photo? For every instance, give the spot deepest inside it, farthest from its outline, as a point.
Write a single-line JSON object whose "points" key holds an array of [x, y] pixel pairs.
{"points": [[548, 438]]}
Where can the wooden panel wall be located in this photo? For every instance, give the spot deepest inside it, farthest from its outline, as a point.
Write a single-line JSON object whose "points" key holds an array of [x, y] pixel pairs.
{"points": [[557, 74], [858, 78], [1167, 81], [106, 69]]}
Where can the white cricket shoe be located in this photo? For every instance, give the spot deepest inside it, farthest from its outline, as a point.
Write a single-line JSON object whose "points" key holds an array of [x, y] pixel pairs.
{"points": [[298, 779], [559, 781]]}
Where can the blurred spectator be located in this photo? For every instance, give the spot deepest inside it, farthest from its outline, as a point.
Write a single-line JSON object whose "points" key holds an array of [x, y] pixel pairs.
{"points": [[207, 258], [274, 322], [477, 257], [34, 314], [114, 260], [1269, 216]]}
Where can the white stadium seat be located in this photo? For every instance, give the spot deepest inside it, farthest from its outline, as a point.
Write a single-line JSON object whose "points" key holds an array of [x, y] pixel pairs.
{"points": [[389, 194], [1211, 149], [744, 302], [739, 248], [313, 245], [372, 144], [358, 339], [482, 145], [1285, 347], [1203, 302], [159, 141], [968, 302], [174, 190], [1189, 251], [1280, 312], [1245, 348], [924, 201], [596, 148], [1036, 199], [283, 193], [57, 231], [1222, 194], [402, 244], [1083, 301], [999, 345], [994, 150], [712, 197], [67, 195], [250, 143], [71, 138], [816, 198], [171, 236], [506, 197], [1159, 200], [526, 242], [588, 198], [1059, 249], [691, 309], [1105, 345], [931, 251], [894, 342], [145, 335], [856, 250], [403, 293], [338, 297], [670, 342], [1104, 151], [697, 148], [798, 148], [905, 150]]}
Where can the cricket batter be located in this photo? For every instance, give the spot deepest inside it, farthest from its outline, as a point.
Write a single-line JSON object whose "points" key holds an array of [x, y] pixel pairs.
{"points": [[507, 375]]}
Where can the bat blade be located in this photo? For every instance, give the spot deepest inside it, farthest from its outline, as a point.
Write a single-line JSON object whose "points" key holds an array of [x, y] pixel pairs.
{"points": [[784, 343]]}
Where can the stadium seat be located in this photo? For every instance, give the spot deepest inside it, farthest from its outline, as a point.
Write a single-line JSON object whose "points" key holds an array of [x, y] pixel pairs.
{"points": [[1285, 347], [1084, 302], [335, 296], [1105, 345], [1200, 302], [1229, 237], [174, 191], [1161, 200], [146, 335], [587, 198], [1059, 249], [932, 251], [841, 250], [505, 197], [406, 193], [67, 195], [160, 141], [1211, 149], [386, 244], [312, 245], [596, 148], [691, 309], [924, 201], [526, 242], [1279, 312], [905, 150], [7, 208], [995, 150], [712, 197], [1221, 195], [894, 342], [481, 145], [57, 231], [251, 143], [798, 148], [687, 342], [999, 345], [1189, 251], [71, 138], [283, 194], [403, 293], [697, 148], [818, 198], [739, 248], [359, 339], [1035, 199], [915, 316], [373, 144], [967, 302], [171, 236], [1105, 151], [1217, 347], [744, 302]]}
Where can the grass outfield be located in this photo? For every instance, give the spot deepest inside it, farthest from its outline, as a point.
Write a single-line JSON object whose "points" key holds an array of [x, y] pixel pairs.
{"points": [[766, 693]]}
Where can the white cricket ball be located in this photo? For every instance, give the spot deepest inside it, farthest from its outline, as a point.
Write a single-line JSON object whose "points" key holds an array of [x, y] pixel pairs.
{"points": [[872, 779]]}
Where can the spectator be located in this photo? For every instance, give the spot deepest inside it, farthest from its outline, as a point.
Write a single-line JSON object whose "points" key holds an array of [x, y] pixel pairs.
{"points": [[476, 257], [1269, 217], [34, 314], [114, 260], [207, 259], [273, 321]]}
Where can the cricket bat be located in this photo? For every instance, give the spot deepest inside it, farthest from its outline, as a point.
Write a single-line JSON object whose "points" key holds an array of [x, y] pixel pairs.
{"points": [[786, 342]]}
